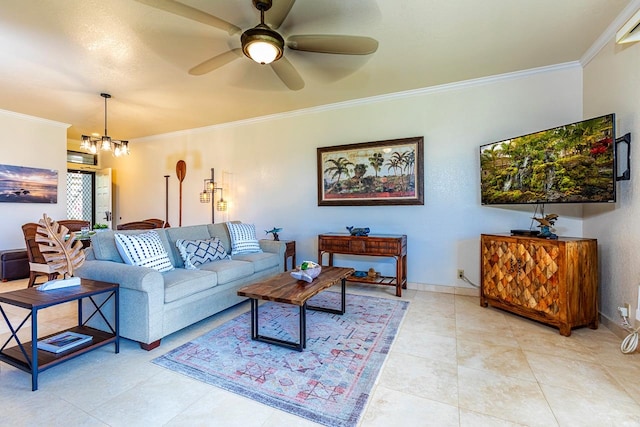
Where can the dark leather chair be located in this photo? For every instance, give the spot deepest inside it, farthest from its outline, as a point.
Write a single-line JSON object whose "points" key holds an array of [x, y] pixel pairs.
{"points": [[74, 224], [37, 264]]}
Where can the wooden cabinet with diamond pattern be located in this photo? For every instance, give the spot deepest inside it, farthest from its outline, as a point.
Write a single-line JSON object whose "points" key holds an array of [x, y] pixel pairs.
{"points": [[552, 281]]}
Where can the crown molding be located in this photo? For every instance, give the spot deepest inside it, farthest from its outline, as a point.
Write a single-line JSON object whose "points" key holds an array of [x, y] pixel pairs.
{"points": [[447, 87], [610, 33], [34, 119]]}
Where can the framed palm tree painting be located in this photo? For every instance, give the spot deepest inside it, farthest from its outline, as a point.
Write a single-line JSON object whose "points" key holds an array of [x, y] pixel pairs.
{"points": [[372, 173]]}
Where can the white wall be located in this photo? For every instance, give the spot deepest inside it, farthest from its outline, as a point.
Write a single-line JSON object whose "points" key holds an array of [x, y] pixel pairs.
{"points": [[612, 84], [37, 143], [268, 168]]}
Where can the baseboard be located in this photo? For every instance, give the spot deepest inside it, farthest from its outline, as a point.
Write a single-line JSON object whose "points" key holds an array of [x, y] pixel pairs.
{"points": [[456, 290], [613, 326]]}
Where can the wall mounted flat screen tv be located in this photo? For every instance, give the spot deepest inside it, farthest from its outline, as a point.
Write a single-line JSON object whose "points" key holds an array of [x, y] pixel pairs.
{"points": [[574, 163]]}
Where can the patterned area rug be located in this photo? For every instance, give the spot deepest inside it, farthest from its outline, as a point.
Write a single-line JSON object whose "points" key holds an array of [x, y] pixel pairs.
{"points": [[329, 383]]}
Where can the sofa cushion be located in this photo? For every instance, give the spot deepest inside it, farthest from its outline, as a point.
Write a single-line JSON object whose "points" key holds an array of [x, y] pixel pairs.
{"points": [[229, 270], [197, 252], [144, 250], [103, 244], [261, 261], [243, 238], [181, 283], [220, 231], [190, 232]]}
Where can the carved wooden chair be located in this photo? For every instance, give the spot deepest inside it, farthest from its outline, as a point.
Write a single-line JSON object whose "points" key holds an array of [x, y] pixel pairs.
{"points": [[37, 264], [136, 225], [74, 224], [158, 222]]}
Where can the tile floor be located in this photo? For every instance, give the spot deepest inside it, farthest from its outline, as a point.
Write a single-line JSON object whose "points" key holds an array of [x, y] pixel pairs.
{"points": [[453, 363]]}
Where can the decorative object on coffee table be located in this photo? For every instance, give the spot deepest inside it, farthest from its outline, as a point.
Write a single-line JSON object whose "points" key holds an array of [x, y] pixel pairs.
{"points": [[307, 271], [274, 231], [61, 253]]}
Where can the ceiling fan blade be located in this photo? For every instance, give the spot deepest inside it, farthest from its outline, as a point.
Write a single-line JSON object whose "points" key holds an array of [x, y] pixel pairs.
{"points": [[325, 43], [216, 62], [189, 12], [287, 73], [279, 11]]}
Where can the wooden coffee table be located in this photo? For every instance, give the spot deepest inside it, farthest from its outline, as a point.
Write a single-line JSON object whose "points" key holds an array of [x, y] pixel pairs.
{"points": [[285, 289]]}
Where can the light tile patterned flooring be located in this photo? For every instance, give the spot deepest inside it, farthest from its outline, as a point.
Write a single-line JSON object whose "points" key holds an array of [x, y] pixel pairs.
{"points": [[453, 363]]}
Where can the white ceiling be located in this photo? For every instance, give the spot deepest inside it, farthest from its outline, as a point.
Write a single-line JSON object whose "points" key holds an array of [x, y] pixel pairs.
{"points": [[57, 56]]}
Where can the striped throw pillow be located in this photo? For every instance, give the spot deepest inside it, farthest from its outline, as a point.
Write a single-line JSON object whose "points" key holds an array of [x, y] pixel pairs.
{"points": [[243, 238], [144, 250]]}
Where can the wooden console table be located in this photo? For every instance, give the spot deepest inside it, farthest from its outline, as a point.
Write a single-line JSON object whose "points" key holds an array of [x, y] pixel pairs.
{"points": [[385, 245]]}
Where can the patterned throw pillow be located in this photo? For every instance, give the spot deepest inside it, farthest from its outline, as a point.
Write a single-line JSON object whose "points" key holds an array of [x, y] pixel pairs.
{"points": [[144, 250], [197, 252], [243, 238]]}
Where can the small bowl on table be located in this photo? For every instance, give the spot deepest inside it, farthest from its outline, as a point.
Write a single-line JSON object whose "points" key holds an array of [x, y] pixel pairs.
{"points": [[306, 271]]}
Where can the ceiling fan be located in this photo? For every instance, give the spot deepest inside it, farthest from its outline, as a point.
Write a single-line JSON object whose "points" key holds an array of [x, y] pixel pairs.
{"points": [[263, 43]]}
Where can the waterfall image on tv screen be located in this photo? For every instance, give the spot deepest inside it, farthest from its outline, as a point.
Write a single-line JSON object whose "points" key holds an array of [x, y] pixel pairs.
{"points": [[574, 163]]}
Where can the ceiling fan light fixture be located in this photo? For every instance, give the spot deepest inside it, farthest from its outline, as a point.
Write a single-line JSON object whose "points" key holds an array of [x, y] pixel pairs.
{"points": [[262, 44]]}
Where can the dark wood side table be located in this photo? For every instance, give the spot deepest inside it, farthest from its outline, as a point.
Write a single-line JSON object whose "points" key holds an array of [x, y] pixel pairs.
{"points": [[290, 251], [26, 356], [386, 245]]}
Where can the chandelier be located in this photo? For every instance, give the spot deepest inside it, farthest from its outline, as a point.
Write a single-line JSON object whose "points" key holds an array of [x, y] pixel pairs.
{"points": [[104, 143]]}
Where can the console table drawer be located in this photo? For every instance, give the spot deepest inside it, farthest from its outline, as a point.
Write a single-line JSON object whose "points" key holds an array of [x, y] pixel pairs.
{"points": [[363, 246], [391, 247], [335, 245]]}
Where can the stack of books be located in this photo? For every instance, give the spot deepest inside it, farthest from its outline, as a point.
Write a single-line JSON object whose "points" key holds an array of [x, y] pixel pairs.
{"points": [[63, 341]]}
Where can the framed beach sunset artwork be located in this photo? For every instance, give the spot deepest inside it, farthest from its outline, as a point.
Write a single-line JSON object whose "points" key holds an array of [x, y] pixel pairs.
{"points": [[19, 184], [372, 173]]}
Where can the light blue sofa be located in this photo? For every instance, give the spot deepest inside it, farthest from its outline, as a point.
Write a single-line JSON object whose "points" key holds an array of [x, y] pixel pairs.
{"points": [[154, 305]]}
